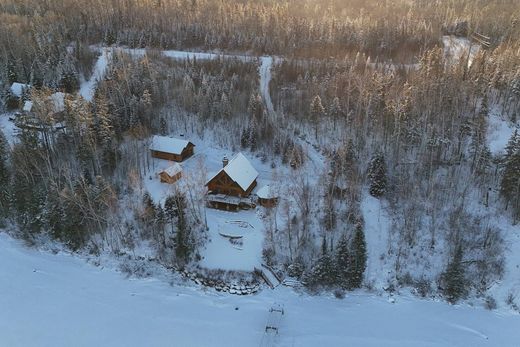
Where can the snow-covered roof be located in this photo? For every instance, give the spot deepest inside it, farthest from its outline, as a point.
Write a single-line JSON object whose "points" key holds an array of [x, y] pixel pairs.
{"points": [[168, 144], [18, 88], [240, 170], [173, 170], [27, 106], [58, 100], [266, 193]]}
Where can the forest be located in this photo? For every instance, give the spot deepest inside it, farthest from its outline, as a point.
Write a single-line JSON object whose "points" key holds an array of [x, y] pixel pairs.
{"points": [[364, 86]]}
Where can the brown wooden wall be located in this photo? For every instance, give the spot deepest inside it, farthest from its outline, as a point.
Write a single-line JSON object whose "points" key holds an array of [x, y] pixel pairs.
{"points": [[165, 178], [223, 184], [186, 153]]}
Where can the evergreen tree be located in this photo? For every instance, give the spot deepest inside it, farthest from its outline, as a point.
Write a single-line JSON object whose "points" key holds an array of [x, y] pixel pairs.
{"points": [[358, 257], [323, 273], [183, 242], [11, 70], [4, 176], [510, 183], [343, 261], [454, 278], [483, 161], [317, 112], [335, 110], [377, 175], [478, 153], [175, 213], [244, 138], [256, 107], [163, 127]]}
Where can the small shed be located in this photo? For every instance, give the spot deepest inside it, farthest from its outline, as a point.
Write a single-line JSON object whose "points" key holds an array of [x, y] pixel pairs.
{"points": [[236, 178], [267, 196], [17, 89], [171, 174], [172, 149]]}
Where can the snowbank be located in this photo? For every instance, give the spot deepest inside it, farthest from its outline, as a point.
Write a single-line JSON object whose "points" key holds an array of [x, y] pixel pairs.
{"points": [[59, 300]]}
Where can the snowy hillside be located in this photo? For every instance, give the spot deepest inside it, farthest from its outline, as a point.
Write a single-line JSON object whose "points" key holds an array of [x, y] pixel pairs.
{"points": [[59, 300]]}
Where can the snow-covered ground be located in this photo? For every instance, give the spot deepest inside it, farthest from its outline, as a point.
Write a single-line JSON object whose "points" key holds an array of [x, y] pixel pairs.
{"points": [[499, 132], [265, 79], [457, 48], [220, 253], [8, 128], [87, 87], [59, 300], [377, 231]]}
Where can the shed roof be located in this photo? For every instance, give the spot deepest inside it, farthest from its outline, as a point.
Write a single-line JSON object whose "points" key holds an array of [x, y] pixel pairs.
{"points": [[240, 170], [27, 106], [173, 170], [58, 101], [18, 88], [168, 144], [266, 193]]}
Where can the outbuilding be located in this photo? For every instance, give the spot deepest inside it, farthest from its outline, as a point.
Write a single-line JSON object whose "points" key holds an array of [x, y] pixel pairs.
{"points": [[267, 196], [172, 149], [171, 174]]}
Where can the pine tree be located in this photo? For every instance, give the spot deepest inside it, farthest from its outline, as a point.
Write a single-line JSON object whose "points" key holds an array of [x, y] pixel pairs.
{"points": [[183, 242], [335, 111], [510, 183], [175, 213], [317, 112], [454, 278], [169, 211], [244, 138], [11, 70], [256, 107], [163, 127], [358, 259], [377, 175], [4, 175], [343, 261], [477, 149]]}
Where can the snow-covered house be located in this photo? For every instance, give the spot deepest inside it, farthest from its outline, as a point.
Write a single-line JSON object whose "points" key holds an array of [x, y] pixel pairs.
{"points": [[267, 196], [169, 148], [171, 174], [236, 178]]}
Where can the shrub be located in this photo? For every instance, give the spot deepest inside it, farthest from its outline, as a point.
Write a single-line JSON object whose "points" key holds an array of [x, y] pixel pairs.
{"points": [[490, 303]]}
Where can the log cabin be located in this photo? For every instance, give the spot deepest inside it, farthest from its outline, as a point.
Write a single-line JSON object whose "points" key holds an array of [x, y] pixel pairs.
{"points": [[236, 178], [172, 149], [171, 174]]}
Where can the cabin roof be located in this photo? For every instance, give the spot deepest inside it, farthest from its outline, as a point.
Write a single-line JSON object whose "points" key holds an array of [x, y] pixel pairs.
{"points": [[240, 170], [173, 170], [266, 193], [27, 106], [168, 144]]}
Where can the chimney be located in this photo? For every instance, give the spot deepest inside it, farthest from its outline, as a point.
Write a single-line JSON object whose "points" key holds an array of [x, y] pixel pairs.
{"points": [[225, 161]]}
